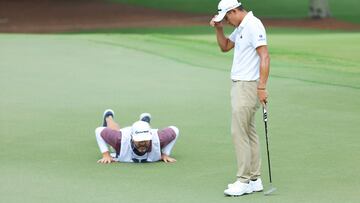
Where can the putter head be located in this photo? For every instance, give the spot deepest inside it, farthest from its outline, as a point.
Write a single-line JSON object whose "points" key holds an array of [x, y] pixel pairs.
{"points": [[270, 190]]}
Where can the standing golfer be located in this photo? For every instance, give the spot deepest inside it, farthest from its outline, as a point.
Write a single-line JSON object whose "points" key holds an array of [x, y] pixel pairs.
{"points": [[137, 143], [249, 74]]}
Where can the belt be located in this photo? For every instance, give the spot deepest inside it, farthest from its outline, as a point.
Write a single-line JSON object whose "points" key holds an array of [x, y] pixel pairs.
{"points": [[244, 80]]}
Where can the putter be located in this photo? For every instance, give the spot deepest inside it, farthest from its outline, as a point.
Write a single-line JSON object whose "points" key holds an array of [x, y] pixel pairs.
{"points": [[271, 187]]}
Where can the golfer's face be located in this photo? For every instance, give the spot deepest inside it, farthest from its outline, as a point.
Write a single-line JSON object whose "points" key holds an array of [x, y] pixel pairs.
{"points": [[142, 146], [229, 17]]}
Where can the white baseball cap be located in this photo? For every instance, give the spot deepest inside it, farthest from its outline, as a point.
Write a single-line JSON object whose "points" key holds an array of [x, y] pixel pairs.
{"points": [[141, 131], [225, 6]]}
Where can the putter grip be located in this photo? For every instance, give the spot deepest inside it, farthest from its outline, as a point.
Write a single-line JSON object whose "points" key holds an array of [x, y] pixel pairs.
{"points": [[265, 114]]}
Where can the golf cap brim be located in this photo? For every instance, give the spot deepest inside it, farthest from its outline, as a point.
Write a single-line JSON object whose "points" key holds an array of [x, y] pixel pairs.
{"points": [[142, 136], [141, 131], [219, 17]]}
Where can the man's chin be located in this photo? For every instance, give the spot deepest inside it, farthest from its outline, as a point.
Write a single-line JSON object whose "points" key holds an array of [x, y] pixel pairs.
{"points": [[142, 150]]}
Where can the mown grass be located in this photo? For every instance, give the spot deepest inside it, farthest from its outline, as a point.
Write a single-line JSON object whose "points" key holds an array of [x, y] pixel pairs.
{"points": [[55, 87]]}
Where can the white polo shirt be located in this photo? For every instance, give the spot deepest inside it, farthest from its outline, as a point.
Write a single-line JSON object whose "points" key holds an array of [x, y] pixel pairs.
{"points": [[247, 37]]}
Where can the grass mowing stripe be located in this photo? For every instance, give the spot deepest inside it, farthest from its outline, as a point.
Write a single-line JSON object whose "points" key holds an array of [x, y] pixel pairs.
{"points": [[174, 58], [152, 53], [316, 82], [324, 59]]}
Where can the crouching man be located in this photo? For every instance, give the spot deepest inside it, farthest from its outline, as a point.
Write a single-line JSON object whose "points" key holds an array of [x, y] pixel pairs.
{"points": [[138, 143]]}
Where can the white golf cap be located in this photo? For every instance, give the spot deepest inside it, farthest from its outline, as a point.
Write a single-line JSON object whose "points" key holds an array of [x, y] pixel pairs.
{"points": [[140, 131], [225, 6]]}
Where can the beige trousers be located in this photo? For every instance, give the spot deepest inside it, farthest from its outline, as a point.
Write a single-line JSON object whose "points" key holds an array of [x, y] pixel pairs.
{"points": [[244, 104]]}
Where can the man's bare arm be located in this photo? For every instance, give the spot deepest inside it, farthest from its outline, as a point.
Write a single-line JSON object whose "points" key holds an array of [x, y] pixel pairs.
{"points": [[264, 72], [224, 43]]}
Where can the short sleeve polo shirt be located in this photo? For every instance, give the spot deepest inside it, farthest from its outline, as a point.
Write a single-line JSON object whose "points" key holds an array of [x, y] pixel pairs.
{"points": [[247, 37]]}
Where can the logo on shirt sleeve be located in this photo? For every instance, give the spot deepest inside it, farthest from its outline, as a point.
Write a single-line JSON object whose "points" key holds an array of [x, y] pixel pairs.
{"points": [[261, 38]]}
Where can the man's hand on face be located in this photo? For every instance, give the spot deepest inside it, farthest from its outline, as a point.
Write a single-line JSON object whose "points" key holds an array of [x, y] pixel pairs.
{"points": [[107, 159], [215, 24], [167, 159]]}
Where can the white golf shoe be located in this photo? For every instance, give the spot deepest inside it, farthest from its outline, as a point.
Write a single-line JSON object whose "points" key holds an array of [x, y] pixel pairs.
{"points": [[232, 184], [145, 117], [238, 188], [256, 185], [107, 113]]}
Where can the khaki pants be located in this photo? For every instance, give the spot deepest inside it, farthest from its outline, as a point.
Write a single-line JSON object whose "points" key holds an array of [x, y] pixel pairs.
{"points": [[244, 104]]}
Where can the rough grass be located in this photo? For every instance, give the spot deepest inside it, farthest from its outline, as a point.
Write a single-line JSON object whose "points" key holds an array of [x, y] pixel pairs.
{"points": [[343, 10]]}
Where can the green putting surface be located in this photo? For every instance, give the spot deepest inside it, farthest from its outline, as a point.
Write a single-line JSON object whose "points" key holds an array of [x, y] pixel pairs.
{"points": [[54, 89]]}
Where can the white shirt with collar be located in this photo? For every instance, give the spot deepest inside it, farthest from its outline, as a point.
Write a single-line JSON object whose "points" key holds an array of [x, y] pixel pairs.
{"points": [[247, 37]]}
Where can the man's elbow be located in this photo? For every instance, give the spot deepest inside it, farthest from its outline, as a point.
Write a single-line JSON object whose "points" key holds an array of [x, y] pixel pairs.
{"points": [[267, 58]]}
